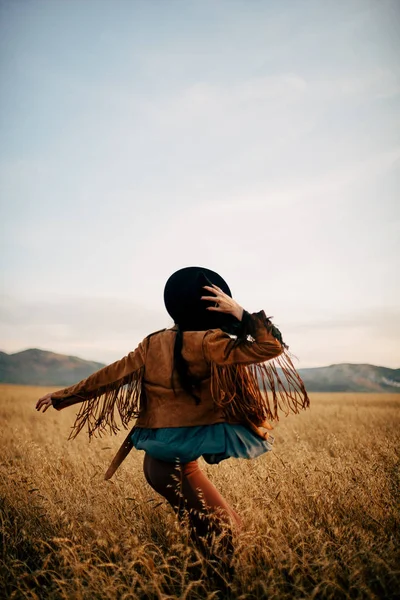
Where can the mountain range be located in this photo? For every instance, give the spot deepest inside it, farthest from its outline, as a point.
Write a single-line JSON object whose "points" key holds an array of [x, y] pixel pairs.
{"points": [[40, 367]]}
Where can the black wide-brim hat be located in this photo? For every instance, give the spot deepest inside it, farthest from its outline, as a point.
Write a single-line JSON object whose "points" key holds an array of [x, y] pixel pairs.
{"points": [[182, 297]]}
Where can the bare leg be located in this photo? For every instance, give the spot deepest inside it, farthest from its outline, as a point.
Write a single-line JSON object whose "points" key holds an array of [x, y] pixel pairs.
{"points": [[191, 493]]}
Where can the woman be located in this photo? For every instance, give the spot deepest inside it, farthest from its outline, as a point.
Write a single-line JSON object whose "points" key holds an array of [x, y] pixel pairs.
{"points": [[200, 388]]}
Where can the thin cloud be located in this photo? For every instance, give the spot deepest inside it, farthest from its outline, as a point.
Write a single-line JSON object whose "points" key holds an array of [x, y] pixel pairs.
{"points": [[95, 328], [269, 154]]}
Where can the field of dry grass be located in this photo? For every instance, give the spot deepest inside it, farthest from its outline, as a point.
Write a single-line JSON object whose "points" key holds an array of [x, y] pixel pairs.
{"points": [[321, 511]]}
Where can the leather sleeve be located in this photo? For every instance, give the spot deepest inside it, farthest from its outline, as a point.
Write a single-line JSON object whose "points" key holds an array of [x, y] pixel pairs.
{"points": [[265, 342], [110, 376]]}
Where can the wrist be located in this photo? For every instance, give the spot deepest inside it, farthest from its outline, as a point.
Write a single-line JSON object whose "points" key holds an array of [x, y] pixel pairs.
{"points": [[238, 313]]}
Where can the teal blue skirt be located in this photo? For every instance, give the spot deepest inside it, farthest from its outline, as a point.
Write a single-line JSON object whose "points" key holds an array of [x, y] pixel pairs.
{"points": [[213, 442]]}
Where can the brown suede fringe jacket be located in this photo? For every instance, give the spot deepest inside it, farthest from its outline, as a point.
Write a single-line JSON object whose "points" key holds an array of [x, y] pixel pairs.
{"points": [[235, 384]]}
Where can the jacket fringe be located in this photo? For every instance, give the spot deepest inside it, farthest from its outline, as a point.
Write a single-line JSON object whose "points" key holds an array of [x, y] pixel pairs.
{"points": [[255, 393], [99, 412]]}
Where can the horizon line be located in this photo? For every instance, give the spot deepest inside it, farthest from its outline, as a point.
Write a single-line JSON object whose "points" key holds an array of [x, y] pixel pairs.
{"points": [[106, 364]]}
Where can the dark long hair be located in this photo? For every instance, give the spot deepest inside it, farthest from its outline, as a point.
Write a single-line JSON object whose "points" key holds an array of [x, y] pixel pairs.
{"points": [[187, 381]]}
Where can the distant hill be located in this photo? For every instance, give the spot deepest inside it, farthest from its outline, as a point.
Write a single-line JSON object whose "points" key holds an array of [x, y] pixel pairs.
{"points": [[348, 377], [39, 367]]}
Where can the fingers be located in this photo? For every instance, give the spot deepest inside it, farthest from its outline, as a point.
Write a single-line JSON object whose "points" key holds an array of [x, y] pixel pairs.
{"points": [[207, 287], [223, 302], [211, 298], [214, 289], [45, 402], [219, 294], [41, 402]]}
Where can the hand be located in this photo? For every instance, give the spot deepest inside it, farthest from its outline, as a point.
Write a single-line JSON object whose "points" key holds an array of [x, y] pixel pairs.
{"points": [[223, 302], [44, 402]]}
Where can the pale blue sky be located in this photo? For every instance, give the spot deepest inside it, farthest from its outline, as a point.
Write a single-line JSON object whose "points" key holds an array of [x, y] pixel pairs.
{"points": [[258, 138]]}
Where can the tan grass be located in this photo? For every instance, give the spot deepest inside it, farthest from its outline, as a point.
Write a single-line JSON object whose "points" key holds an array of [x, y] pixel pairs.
{"points": [[321, 511]]}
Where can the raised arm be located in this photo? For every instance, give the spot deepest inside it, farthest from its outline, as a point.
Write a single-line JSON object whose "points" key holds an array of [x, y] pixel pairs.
{"points": [[258, 341], [247, 387]]}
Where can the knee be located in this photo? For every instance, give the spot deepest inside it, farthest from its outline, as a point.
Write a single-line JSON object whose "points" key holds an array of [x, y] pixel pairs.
{"points": [[230, 517], [190, 468]]}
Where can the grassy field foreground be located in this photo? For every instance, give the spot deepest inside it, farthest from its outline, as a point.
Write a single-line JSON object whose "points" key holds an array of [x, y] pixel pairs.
{"points": [[321, 511]]}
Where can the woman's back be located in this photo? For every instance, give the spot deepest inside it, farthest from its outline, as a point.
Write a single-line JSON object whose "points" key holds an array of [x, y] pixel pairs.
{"points": [[159, 365], [166, 403]]}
